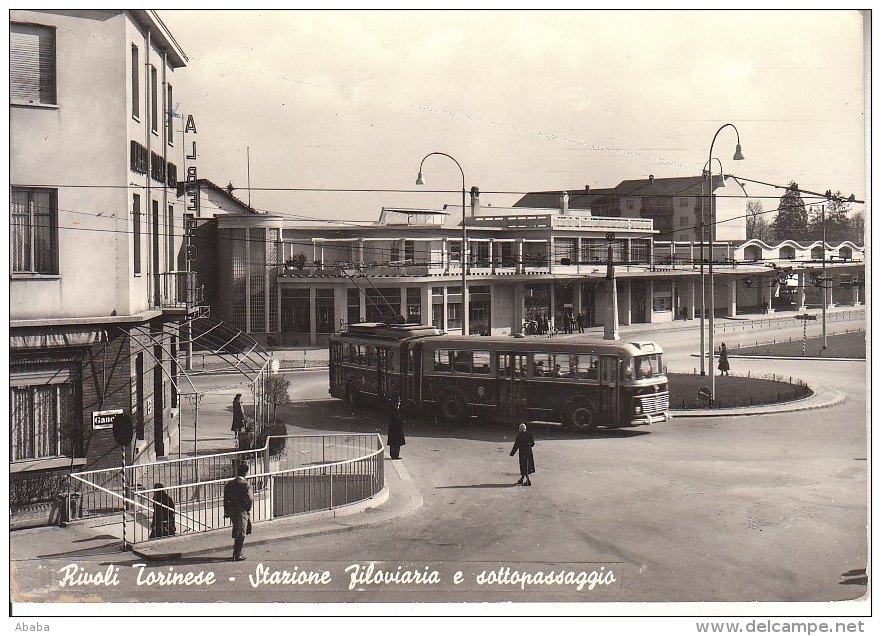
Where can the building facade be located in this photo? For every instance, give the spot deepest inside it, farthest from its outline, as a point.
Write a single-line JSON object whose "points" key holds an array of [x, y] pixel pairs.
{"points": [[292, 283], [97, 272], [675, 205]]}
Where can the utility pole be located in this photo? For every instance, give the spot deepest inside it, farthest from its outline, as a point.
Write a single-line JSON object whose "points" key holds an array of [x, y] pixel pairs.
{"points": [[823, 279]]}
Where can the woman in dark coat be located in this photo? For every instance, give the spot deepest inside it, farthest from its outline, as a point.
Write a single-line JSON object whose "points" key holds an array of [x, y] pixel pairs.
{"points": [[238, 415], [723, 360], [524, 443], [163, 514], [395, 430]]}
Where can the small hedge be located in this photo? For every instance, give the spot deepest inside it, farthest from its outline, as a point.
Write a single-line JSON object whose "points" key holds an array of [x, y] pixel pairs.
{"points": [[276, 444]]}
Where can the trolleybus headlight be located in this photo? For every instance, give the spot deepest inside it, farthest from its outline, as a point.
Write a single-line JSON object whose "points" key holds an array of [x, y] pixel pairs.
{"points": [[638, 409]]}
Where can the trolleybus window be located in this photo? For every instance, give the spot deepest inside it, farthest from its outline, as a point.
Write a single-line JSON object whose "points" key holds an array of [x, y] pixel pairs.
{"points": [[643, 367], [512, 362], [584, 366], [442, 360], [481, 362]]}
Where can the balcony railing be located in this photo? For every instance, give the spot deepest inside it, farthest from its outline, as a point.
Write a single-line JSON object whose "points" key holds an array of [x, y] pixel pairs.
{"points": [[176, 289]]}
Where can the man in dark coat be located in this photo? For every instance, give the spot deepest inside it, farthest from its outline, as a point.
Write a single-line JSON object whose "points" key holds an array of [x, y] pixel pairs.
{"points": [[524, 443], [163, 514], [395, 430], [238, 415], [237, 503]]}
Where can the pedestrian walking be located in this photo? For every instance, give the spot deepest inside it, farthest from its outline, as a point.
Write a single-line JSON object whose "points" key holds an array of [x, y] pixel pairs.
{"points": [[395, 430], [723, 360], [237, 503], [163, 524], [238, 415], [579, 320], [524, 443]]}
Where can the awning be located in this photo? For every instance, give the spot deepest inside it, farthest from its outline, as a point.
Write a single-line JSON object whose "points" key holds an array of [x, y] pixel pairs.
{"points": [[46, 339]]}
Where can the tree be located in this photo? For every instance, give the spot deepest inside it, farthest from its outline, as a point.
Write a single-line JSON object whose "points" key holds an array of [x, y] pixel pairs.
{"points": [[837, 224], [858, 228], [229, 188], [792, 216], [757, 226], [277, 387]]}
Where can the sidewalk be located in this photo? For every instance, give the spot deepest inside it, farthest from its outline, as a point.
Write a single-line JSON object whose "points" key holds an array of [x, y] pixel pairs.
{"points": [[103, 536]]}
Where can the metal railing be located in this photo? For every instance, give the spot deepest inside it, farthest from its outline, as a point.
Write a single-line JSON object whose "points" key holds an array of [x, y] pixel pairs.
{"points": [[176, 289], [312, 473]]}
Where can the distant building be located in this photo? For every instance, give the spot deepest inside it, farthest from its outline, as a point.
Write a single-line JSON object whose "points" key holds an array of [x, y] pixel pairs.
{"points": [[97, 274], [673, 204]]}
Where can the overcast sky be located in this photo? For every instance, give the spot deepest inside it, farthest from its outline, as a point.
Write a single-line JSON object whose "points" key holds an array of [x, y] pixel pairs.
{"points": [[523, 100]]}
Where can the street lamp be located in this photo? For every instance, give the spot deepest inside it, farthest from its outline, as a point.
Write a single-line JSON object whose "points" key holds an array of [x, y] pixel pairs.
{"points": [[421, 181], [738, 156], [708, 164]]}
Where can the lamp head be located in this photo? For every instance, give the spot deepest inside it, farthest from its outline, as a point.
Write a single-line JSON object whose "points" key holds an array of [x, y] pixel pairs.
{"points": [[419, 179], [738, 154]]}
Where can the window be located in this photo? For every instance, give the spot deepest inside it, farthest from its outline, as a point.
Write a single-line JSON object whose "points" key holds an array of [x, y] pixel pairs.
{"points": [[136, 83], [550, 365], [136, 232], [138, 158], [33, 231], [154, 101], [324, 316], [43, 413], [480, 360], [683, 202], [442, 360], [32, 64], [584, 366], [169, 115], [157, 167]]}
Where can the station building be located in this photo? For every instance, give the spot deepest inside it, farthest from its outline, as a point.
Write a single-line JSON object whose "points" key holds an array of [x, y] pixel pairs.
{"points": [[293, 283]]}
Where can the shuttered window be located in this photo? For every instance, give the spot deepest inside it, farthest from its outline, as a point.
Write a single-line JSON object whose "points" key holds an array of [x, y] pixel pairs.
{"points": [[44, 414], [32, 64], [154, 101], [136, 83]]}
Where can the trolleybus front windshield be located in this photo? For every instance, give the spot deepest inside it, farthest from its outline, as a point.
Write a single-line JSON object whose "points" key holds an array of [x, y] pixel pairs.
{"points": [[648, 366]]}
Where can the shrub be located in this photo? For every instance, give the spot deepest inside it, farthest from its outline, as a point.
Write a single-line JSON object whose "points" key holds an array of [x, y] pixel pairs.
{"points": [[276, 444]]}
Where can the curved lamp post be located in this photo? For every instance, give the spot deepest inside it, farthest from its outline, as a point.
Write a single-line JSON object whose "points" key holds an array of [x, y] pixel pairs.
{"points": [[738, 156], [703, 280], [421, 181]]}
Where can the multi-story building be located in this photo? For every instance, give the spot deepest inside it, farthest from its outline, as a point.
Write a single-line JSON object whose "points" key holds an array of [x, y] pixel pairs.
{"points": [[97, 274], [673, 204]]}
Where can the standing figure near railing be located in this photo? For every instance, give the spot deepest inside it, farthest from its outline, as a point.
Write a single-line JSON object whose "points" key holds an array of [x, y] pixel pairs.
{"points": [[395, 430], [238, 415], [163, 514], [237, 503]]}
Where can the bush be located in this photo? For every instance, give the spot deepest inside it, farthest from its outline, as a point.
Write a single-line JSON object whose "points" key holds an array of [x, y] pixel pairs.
{"points": [[276, 444]]}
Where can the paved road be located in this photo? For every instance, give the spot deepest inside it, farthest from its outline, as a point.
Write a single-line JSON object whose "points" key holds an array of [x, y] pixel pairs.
{"points": [[765, 508]]}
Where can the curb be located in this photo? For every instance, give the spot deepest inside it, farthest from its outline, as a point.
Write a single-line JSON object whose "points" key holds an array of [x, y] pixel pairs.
{"points": [[819, 400], [758, 357]]}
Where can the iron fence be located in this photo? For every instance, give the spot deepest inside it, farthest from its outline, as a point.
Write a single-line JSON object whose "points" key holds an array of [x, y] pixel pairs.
{"points": [[311, 473]]}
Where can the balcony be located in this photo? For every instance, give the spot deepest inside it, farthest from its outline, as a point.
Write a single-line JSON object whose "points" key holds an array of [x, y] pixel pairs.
{"points": [[178, 290]]}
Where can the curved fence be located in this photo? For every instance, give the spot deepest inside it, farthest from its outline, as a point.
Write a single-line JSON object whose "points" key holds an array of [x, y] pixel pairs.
{"points": [[312, 473]]}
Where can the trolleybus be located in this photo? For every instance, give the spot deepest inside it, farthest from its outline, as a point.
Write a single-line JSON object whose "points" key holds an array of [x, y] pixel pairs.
{"points": [[581, 384]]}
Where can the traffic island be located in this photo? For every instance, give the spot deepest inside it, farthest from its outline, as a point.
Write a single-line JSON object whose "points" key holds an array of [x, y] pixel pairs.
{"points": [[734, 391]]}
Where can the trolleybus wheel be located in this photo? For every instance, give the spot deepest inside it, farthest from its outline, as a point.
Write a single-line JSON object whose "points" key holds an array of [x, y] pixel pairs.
{"points": [[580, 417], [353, 398], [453, 407]]}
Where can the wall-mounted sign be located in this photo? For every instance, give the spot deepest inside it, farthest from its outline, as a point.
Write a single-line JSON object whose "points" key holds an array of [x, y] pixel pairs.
{"points": [[104, 419], [148, 407]]}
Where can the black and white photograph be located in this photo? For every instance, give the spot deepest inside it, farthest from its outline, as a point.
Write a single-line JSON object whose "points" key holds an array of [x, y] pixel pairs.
{"points": [[471, 312]]}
